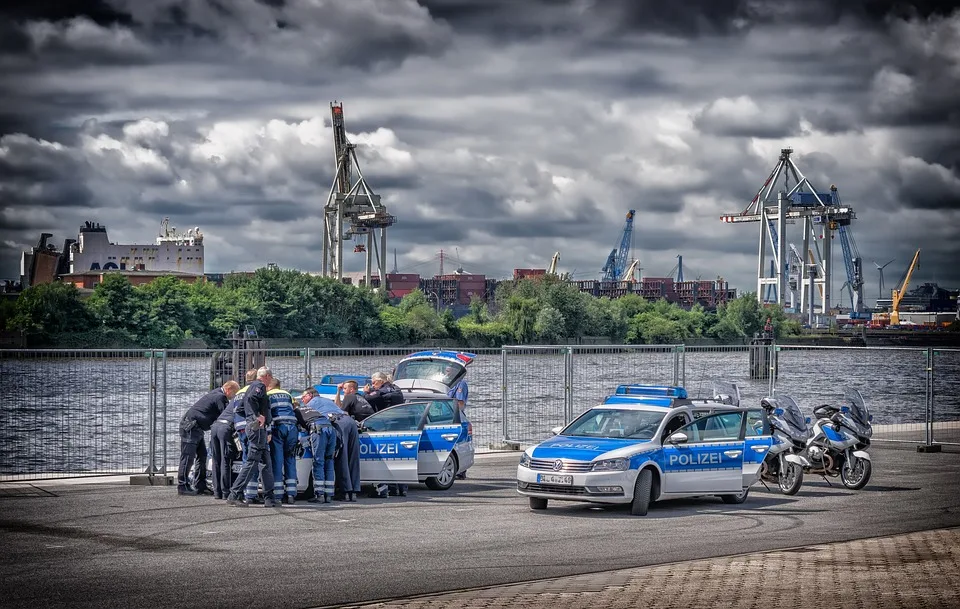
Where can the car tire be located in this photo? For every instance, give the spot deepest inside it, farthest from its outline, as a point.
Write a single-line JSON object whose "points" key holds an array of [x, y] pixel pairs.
{"points": [[641, 493], [448, 473], [538, 503], [736, 499]]}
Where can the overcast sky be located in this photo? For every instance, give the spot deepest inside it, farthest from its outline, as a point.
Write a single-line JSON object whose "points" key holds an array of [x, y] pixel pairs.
{"points": [[500, 131]]}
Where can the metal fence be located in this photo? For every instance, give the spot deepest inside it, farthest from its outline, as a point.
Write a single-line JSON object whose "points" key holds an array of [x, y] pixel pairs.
{"points": [[90, 412]]}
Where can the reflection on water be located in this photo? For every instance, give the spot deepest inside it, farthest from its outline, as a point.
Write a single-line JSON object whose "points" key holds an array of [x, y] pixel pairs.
{"points": [[91, 412]]}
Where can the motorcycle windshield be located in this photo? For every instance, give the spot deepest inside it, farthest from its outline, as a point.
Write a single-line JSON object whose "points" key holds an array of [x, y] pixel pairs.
{"points": [[726, 392], [792, 415], [858, 409]]}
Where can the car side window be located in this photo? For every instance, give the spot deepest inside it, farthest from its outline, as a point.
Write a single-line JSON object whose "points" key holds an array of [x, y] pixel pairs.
{"points": [[405, 417], [673, 425], [756, 426], [722, 427], [440, 413]]}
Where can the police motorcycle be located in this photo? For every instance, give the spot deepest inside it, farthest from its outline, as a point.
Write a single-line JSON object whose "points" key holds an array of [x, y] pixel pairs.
{"points": [[784, 463], [839, 441]]}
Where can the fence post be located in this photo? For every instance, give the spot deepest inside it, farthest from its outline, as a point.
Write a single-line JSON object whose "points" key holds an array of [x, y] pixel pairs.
{"points": [[152, 414], [774, 366], [503, 393], [163, 411], [677, 350], [567, 385], [929, 404], [308, 367]]}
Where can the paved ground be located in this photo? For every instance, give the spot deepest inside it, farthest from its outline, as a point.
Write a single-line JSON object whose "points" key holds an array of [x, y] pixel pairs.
{"points": [[115, 545], [902, 571]]}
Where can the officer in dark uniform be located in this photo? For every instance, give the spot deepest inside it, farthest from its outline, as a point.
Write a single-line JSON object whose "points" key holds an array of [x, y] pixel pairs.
{"points": [[197, 420], [256, 408], [223, 446]]}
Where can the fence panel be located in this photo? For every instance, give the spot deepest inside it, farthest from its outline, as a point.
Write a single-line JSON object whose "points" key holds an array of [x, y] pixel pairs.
{"points": [[72, 413], [596, 371], [704, 364], [535, 397], [946, 396], [893, 382]]}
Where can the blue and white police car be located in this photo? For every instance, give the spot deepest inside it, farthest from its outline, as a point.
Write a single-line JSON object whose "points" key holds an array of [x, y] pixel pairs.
{"points": [[426, 439], [648, 443]]}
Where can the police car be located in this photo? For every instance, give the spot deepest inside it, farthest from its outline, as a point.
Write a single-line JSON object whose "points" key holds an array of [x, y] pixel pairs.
{"points": [[647, 443], [426, 439]]}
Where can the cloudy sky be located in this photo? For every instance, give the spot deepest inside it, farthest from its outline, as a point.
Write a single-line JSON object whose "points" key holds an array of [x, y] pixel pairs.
{"points": [[497, 130]]}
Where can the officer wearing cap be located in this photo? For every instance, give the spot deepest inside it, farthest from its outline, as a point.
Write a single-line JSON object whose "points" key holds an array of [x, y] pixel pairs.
{"points": [[256, 408], [195, 421], [224, 442]]}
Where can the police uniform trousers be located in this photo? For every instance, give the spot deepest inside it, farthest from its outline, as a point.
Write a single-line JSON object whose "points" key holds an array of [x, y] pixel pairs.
{"points": [[222, 451], [347, 462], [283, 450], [192, 450], [258, 459], [323, 445]]}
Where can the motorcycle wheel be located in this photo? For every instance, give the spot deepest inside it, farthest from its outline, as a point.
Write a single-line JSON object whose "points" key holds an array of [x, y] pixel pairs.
{"points": [[855, 473], [790, 479]]}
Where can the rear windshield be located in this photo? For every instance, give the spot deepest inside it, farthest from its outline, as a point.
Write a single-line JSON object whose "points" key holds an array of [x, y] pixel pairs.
{"points": [[441, 371]]}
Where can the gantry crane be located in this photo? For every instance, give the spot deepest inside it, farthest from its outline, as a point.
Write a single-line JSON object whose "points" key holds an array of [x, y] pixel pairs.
{"points": [[617, 261], [900, 291], [352, 208], [772, 207]]}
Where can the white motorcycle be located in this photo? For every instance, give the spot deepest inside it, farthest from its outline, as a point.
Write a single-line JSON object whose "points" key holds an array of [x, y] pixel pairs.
{"points": [[841, 436], [784, 462]]}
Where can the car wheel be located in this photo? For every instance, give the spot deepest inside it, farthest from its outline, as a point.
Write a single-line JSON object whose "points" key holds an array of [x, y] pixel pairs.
{"points": [[736, 499], [448, 473], [641, 493], [538, 503]]}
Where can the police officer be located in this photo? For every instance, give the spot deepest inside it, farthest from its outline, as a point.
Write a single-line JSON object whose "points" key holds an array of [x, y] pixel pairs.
{"points": [[283, 446], [222, 442], [314, 414], [197, 420], [347, 462], [381, 393], [256, 409]]}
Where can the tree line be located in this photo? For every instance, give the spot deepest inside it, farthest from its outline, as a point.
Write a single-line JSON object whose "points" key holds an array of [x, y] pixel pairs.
{"points": [[294, 305]]}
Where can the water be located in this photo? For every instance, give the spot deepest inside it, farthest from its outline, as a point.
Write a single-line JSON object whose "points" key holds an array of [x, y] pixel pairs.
{"points": [[68, 413]]}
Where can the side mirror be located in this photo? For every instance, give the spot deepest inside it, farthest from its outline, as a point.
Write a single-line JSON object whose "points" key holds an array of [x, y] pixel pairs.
{"points": [[678, 438], [844, 409], [806, 420], [556, 430]]}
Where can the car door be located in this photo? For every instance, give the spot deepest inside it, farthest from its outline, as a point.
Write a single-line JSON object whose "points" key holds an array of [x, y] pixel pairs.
{"points": [[756, 443], [710, 460], [390, 444], [441, 432]]}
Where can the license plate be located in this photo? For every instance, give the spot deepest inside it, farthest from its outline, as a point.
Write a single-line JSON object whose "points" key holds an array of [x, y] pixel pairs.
{"points": [[237, 466], [554, 479]]}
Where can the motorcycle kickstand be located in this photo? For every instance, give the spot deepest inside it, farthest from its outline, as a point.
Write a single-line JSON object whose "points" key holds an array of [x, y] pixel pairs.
{"points": [[764, 484], [825, 479]]}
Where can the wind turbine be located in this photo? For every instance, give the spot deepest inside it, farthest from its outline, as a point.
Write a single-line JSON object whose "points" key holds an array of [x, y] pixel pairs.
{"points": [[880, 268]]}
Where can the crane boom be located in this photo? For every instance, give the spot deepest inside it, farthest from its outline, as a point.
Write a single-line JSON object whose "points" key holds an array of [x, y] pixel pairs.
{"points": [[616, 263], [901, 291], [552, 270]]}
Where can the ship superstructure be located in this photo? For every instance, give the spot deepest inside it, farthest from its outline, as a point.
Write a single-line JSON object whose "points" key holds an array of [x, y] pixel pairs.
{"points": [[172, 251]]}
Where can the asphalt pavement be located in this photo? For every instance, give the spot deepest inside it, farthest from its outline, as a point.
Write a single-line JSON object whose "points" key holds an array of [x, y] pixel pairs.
{"points": [[109, 544]]}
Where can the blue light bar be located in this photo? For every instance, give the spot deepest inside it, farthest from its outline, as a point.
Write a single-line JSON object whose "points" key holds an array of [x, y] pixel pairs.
{"points": [[652, 390], [647, 400]]}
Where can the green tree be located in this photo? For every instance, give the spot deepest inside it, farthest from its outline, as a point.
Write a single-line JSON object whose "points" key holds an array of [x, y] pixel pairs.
{"points": [[48, 310], [521, 315], [738, 319], [120, 311], [478, 310], [170, 317], [549, 325]]}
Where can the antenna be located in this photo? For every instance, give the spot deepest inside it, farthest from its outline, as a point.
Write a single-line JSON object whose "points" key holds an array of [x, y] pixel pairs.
{"points": [[395, 271], [459, 270]]}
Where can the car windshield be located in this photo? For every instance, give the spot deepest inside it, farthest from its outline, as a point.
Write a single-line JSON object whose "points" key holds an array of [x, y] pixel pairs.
{"points": [[726, 392], [439, 370], [616, 423]]}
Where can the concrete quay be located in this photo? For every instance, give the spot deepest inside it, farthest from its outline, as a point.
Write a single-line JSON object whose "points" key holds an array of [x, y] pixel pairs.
{"points": [[106, 543]]}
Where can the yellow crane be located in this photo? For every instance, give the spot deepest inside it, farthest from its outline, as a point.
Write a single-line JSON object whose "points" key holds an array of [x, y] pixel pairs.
{"points": [[901, 291], [553, 264]]}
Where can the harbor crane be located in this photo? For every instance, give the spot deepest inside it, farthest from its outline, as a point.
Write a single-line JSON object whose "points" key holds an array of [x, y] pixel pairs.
{"points": [[852, 262], [352, 208], [552, 270], [795, 199], [617, 261], [901, 290]]}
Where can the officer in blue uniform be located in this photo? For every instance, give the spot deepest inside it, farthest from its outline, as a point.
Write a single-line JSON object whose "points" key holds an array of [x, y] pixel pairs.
{"points": [[315, 414], [459, 391], [223, 445], [195, 421], [283, 446], [256, 409], [347, 463], [239, 425]]}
